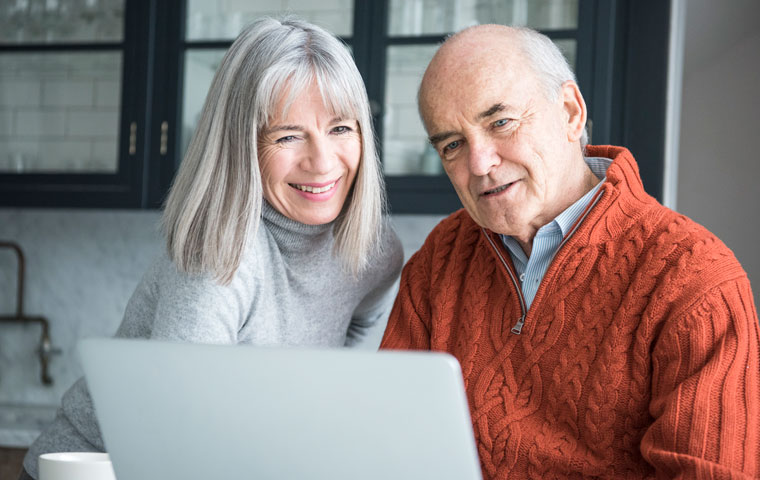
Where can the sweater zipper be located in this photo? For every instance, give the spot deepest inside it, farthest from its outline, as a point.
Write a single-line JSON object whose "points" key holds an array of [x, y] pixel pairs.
{"points": [[517, 328]]}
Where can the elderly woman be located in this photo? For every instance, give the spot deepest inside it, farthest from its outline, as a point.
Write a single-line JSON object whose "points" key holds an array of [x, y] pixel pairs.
{"points": [[274, 225]]}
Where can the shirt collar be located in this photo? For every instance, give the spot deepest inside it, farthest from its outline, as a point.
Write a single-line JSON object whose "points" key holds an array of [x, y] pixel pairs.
{"points": [[567, 218]]}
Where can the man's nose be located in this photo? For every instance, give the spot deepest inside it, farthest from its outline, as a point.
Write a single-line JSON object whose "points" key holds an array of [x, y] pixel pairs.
{"points": [[482, 157]]}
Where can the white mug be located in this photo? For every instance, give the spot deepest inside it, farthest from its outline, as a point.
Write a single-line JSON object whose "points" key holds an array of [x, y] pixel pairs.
{"points": [[75, 466]]}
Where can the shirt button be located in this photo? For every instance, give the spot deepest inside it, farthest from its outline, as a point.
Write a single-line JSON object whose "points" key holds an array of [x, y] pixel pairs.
{"points": [[522, 277]]}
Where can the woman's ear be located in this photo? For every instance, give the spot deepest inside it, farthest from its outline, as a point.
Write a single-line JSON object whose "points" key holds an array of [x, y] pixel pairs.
{"points": [[575, 110]]}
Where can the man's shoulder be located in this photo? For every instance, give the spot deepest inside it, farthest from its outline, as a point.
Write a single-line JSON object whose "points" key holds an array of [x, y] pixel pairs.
{"points": [[453, 238], [455, 225], [689, 253]]}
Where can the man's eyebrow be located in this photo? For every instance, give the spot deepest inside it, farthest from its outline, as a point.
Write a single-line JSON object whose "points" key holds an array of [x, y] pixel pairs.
{"points": [[433, 139], [495, 108]]}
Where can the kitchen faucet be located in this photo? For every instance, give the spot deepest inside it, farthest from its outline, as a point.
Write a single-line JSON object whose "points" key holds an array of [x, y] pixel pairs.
{"points": [[45, 349]]}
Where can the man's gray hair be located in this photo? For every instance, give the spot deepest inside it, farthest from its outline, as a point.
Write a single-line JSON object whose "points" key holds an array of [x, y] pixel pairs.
{"points": [[548, 63], [216, 200]]}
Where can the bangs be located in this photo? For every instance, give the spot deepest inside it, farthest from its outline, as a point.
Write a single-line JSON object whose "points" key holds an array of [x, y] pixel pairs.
{"points": [[339, 96]]}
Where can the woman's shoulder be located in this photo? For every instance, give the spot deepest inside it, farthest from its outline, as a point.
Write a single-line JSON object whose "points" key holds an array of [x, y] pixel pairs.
{"points": [[165, 277], [391, 251]]}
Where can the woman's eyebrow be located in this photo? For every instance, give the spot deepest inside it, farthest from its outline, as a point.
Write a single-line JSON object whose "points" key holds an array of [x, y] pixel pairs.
{"points": [[275, 128]]}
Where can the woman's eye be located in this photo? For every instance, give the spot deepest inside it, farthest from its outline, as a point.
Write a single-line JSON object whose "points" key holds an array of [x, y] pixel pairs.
{"points": [[501, 123], [285, 139], [341, 129]]}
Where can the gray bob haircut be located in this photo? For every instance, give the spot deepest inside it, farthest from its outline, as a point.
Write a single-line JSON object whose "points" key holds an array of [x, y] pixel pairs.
{"points": [[216, 200]]}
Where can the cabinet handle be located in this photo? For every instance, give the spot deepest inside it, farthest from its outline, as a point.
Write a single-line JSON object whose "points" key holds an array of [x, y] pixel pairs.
{"points": [[133, 138], [164, 137]]}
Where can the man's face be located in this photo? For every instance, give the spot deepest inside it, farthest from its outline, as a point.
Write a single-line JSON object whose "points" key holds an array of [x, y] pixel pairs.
{"points": [[503, 143]]}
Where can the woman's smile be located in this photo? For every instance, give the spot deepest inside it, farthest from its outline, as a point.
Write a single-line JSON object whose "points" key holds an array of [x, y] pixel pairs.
{"points": [[318, 192]]}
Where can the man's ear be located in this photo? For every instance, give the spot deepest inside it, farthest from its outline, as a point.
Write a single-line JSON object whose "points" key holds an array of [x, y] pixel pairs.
{"points": [[575, 110]]}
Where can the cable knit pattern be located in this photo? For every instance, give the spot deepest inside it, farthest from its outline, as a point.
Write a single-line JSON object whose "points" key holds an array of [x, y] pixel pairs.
{"points": [[639, 357]]}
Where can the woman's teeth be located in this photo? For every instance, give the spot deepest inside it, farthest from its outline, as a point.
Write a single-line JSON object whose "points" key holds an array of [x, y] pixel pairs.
{"points": [[306, 188]]}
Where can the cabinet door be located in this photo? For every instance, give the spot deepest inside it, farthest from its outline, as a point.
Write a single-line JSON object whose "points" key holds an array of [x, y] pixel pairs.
{"points": [[70, 132]]}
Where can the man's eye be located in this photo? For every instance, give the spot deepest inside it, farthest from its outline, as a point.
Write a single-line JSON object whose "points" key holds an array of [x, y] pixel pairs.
{"points": [[451, 146], [501, 123]]}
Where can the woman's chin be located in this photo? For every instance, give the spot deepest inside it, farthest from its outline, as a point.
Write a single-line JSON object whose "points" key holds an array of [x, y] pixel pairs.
{"points": [[313, 214]]}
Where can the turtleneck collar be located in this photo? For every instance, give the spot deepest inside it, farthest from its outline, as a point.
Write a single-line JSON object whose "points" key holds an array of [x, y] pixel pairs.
{"points": [[293, 236]]}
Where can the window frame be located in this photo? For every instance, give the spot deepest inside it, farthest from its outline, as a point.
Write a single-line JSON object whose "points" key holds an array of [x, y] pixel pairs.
{"points": [[615, 40]]}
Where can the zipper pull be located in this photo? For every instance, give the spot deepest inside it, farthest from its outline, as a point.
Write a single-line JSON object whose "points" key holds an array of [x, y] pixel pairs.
{"points": [[518, 326]]}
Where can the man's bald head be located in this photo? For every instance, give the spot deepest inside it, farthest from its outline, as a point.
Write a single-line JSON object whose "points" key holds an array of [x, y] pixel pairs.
{"points": [[484, 50]]}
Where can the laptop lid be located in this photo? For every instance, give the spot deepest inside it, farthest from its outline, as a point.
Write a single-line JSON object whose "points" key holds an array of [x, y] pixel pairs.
{"points": [[186, 411]]}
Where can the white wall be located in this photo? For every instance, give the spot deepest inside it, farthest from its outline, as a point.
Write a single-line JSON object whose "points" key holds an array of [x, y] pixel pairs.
{"points": [[718, 170]]}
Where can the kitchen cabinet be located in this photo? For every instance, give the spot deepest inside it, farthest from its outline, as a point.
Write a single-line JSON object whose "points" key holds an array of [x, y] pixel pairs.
{"points": [[98, 98]]}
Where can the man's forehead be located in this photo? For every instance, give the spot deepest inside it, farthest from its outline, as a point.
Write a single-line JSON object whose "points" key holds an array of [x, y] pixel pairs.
{"points": [[474, 97]]}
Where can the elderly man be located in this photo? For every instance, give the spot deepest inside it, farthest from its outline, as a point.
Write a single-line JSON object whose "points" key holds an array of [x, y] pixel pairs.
{"points": [[600, 334]]}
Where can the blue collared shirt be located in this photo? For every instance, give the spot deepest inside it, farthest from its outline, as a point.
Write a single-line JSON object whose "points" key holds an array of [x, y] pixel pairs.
{"points": [[546, 243]]}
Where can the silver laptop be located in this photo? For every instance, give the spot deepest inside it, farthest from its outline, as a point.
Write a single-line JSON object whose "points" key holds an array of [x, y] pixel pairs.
{"points": [[183, 411]]}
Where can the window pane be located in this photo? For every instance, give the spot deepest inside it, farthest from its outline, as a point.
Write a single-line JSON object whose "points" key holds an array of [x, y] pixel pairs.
{"points": [[224, 20], [428, 17], [56, 21], [200, 67], [405, 146], [568, 49], [59, 112]]}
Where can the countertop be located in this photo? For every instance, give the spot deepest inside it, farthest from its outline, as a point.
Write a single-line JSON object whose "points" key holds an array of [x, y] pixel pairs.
{"points": [[21, 424]]}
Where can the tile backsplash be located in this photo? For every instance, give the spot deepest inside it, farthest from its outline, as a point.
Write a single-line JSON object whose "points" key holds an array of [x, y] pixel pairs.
{"points": [[81, 268], [59, 112]]}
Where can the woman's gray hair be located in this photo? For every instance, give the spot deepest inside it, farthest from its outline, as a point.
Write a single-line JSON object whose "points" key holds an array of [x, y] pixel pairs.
{"points": [[548, 63], [216, 200]]}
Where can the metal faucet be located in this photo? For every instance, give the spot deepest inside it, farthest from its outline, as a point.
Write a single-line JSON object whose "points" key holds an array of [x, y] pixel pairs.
{"points": [[45, 349]]}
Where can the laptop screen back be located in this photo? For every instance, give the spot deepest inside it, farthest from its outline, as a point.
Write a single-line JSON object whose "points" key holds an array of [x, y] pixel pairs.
{"points": [[171, 410]]}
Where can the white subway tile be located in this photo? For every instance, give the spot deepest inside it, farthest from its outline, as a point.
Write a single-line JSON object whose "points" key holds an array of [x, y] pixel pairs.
{"points": [[93, 123], [402, 88], [64, 156], [19, 93], [67, 93], [311, 5], [104, 157], [6, 123], [338, 22], [108, 94], [40, 123], [408, 123], [204, 6], [18, 156], [261, 6]]}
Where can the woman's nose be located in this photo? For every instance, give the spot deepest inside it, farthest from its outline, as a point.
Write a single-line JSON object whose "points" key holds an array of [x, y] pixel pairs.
{"points": [[321, 155]]}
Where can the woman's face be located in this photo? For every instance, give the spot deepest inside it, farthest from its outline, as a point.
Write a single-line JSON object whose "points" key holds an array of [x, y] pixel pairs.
{"points": [[308, 159]]}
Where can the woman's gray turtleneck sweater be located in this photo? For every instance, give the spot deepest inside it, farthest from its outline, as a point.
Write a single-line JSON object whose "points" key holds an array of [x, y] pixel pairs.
{"points": [[289, 290]]}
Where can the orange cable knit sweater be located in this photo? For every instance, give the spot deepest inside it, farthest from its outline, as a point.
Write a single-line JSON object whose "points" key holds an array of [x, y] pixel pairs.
{"points": [[639, 357]]}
